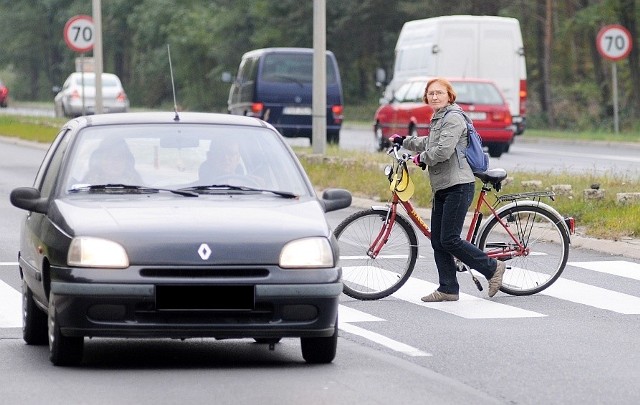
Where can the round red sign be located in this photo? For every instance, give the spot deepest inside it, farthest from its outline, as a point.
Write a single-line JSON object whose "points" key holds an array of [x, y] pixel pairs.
{"points": [[614, 42], [78, 33]]}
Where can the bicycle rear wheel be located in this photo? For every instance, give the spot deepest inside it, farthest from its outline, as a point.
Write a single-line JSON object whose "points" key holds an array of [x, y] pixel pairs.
{"points": [[367, 278], [545, 239]]}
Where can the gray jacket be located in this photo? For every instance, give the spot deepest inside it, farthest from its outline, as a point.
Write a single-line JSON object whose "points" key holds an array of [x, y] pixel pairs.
{"points": [[447, 164]]}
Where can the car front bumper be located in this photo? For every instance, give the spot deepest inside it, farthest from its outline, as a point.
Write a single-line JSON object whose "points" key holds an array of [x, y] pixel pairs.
{"points": [[138, 310]]}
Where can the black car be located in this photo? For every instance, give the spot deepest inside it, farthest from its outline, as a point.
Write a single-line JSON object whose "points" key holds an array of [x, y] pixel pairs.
{"points": [[167, 225]]}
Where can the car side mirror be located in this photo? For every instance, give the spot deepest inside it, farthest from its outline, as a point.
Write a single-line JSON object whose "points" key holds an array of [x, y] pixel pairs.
{"points": [[28, 198], [56, 89], [335, 199], [381, 77]]}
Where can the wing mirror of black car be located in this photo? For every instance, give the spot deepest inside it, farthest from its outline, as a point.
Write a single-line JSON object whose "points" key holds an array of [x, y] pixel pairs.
{"points": [[28, 198], [335, 199]]}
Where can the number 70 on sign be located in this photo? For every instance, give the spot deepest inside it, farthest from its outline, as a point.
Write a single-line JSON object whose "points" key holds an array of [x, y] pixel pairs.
{"points": [[79, 33]]}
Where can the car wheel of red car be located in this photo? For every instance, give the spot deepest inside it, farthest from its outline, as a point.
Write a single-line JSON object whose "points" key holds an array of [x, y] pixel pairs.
{"points": [[382, 142]]}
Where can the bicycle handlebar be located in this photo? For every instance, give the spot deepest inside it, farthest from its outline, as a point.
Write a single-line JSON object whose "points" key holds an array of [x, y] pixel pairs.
{"points": [[404, 157]]}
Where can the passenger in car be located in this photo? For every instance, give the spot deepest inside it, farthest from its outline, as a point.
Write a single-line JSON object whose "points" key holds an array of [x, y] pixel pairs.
{"points": [[112, 163]]}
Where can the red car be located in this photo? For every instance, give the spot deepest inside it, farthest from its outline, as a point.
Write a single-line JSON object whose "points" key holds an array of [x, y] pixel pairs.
{"points": [[407, 114], [4, 95]]}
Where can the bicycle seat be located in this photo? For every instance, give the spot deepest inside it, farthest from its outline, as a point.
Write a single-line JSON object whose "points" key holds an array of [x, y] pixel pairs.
{"points": [[492, 176]]}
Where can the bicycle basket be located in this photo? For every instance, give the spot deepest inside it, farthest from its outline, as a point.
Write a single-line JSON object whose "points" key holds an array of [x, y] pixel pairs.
{"points": [[402, 184]]}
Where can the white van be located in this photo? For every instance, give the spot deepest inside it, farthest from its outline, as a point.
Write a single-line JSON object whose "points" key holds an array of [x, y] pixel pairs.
{"points": [[485, 47]]}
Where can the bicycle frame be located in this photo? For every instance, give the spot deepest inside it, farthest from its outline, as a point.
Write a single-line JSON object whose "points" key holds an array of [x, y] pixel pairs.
{"points": [[517, 249]]}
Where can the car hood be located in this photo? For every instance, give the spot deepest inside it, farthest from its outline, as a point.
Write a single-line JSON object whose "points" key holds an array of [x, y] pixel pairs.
{"points": [[156, 230]]}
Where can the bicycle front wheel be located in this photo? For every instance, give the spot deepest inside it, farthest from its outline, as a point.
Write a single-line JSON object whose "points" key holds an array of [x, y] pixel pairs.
{"points": [[546, 247], [368, 278]]}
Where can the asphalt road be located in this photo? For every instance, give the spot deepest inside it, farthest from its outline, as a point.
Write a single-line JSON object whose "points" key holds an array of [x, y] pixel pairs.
{"points": [[573, 343]]}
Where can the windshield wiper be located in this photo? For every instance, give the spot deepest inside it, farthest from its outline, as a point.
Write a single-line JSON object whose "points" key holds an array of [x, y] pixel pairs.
{"points": [[128, 187], [291, 79], [284, 194]]}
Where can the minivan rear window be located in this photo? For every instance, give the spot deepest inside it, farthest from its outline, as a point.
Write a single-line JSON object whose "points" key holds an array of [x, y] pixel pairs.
{"points": [[293, 68]]}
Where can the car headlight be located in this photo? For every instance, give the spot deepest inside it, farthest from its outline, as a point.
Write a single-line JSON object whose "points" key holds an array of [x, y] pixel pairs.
{"points": [[307, 253], [96, 252]]}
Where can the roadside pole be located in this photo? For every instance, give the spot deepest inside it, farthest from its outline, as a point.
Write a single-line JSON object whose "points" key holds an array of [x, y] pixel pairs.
{"points": [[319, 105], [614, 43], [97, 54]]}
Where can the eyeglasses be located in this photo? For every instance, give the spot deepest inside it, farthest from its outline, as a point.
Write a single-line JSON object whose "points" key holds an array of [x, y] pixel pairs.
{"points": [[436, 93]]}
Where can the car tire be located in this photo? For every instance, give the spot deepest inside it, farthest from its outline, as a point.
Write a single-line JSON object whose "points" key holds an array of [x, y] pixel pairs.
{"points": [[496, 149], [382, 142], [63, 350], [333, 137], [320, 350], [34, 320]]}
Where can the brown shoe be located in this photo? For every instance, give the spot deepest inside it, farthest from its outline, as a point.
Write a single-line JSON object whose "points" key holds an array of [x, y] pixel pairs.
{"points": [[438, 296], [495, 282]]}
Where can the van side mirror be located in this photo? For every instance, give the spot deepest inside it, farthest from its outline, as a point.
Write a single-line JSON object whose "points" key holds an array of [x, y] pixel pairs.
{"points": [[226, 77], [381, 77]]}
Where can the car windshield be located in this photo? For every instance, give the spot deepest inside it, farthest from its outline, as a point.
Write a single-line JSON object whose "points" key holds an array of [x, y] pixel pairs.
{"points": [[477, 93], [208, 158], [90, 80], [293, 67]]}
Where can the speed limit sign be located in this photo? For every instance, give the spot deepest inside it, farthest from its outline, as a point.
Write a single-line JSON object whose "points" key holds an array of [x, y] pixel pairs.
{"points": [[78, 33], [614, 42]]}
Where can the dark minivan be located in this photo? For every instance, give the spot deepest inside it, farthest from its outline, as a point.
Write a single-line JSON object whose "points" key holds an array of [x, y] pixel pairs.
{"points": [[275, 84]]}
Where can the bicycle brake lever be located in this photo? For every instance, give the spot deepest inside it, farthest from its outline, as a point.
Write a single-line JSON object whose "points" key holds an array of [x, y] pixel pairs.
{"points": [[423, 165]]}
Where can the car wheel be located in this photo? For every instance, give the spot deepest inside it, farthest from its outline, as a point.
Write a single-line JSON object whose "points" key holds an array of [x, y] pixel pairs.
{"points": [[381, 142], [34, 320], [496, 149], [63, 350], [333, 137], [320, 350]]}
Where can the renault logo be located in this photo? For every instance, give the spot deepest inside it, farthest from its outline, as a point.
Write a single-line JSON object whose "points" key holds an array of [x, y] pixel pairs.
{"points": [[204, 251]]}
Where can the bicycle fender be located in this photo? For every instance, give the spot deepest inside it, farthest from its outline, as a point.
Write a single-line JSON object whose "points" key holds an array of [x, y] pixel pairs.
{"points": [[381, 207], [529, 203]]}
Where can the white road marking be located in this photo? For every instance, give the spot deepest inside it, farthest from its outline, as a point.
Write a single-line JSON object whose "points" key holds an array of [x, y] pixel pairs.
{"points": [[617, 268], [469, 306], [347, 315], [11, 307], [593, 296]]}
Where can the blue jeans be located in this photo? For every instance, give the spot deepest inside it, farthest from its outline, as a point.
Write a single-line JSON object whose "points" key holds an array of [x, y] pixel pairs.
{"points": [[448, 213]]}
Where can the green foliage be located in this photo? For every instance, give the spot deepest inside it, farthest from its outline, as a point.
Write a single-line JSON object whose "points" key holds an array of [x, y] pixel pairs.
{"points": [[208, 38]]}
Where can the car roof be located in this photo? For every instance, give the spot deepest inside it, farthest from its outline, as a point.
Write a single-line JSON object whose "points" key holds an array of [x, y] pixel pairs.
{"points": [[451, 79], [261, 51], [168, 117]]}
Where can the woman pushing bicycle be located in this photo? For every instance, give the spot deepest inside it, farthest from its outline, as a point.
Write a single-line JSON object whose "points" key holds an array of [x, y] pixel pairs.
{"points": [[453, 185]]}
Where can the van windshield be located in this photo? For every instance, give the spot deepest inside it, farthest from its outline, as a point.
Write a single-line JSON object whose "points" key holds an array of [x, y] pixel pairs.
{"points": [[293, 68]]}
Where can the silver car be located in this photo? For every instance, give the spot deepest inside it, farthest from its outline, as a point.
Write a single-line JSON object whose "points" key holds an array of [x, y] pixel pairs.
{"points": [[77, 96]]}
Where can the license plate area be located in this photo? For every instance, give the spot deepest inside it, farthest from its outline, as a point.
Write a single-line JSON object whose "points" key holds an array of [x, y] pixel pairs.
{"points": [[293, 110], [475, 115], [205, 298]]}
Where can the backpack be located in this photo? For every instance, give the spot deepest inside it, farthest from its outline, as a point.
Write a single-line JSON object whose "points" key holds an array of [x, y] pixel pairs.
{"points": [[476, 157]]}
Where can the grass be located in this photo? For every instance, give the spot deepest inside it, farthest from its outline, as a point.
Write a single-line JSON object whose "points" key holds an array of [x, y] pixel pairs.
{"points": [[361, 173]]}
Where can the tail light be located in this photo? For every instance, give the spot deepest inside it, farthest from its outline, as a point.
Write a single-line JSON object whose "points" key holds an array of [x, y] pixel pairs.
{"points": [[501, 116], [75, 95], [336, 110], [256, 109], [121, 97], [523, 98]]}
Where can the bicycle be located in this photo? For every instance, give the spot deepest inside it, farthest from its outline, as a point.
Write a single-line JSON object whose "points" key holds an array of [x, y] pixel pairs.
{"points": [[379, 246]]}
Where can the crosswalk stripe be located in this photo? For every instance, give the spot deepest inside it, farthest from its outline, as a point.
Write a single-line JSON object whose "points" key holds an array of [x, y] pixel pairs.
{"points": [[347, 315], [594, 296], [616, 267], [469, 306], [11, 305]]}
